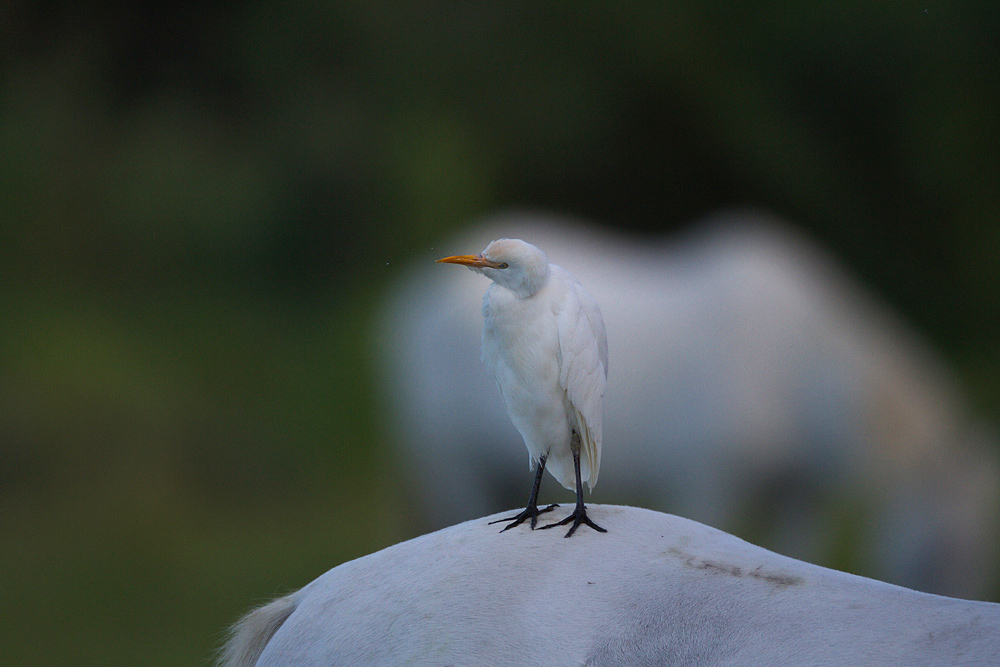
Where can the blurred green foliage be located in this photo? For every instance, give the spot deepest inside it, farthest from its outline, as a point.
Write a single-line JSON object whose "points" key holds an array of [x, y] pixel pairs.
{"points": [[200, 205]]}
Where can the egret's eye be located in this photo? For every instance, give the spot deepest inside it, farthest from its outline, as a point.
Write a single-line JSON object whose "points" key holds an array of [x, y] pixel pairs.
{"points": [[503, 265]]}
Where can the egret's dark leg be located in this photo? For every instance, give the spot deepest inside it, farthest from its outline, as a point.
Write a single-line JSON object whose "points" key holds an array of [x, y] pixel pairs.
{"points": [[579, 515], [532, 509]]}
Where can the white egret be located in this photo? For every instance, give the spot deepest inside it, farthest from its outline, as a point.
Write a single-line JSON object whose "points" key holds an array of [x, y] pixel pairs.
{"points": [[544, 341]]}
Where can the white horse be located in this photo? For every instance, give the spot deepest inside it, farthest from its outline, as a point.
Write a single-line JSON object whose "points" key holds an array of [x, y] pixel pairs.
{"points": [[753, 386], [655, 590]]}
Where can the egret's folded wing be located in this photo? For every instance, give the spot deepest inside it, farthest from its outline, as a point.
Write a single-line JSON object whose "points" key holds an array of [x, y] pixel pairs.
{"points": [[583, 349]]}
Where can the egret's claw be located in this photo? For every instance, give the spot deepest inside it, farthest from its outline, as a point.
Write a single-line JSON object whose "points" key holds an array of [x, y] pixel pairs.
{"points": [[578, 517], [529, 511]]}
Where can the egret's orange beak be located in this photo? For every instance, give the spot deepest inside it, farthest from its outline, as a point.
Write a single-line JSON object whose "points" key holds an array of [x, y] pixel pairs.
{"points": [[475, 261]]}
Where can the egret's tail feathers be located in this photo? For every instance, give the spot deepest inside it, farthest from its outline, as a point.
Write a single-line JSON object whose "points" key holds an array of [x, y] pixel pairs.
{"points": [[249, 636], [590, 452]]}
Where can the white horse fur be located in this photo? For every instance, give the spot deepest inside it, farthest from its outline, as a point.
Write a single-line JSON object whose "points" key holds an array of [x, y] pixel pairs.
{"points": [[752, 380], [655, 590]]}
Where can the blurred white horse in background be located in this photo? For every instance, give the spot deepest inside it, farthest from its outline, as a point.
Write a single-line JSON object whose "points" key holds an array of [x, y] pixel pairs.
{"points": [[655, 590], [753, 386]]}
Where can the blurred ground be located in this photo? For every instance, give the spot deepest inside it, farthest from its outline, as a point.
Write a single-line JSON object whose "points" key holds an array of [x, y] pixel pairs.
{"points": [[200, 208]]}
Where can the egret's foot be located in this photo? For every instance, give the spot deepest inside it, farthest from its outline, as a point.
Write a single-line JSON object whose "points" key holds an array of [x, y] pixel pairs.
{"points": [[578, 516], [530, 510]]}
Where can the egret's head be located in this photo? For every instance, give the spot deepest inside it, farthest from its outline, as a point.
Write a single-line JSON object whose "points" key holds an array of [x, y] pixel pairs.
{"points": [[512, 263]]}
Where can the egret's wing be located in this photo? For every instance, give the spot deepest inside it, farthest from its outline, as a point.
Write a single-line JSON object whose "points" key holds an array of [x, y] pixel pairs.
{"points": [[583, 369]]}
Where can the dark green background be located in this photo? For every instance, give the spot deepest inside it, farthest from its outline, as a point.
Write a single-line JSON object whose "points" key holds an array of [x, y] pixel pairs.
{"points": [[200, 207]]}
